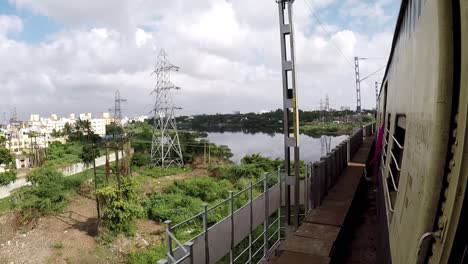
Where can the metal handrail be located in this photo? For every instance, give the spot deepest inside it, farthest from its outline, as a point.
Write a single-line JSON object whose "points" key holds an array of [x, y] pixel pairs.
{"points": [[396, 141], [241, 254], [274, 234], [391, 176], [387, 192], [394, 160], [273, 223], [255, 254], [259, 236], [177, 242]]}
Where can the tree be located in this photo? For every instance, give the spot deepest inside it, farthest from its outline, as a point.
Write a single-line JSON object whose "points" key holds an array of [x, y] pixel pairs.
{"points": [[114, 129], [67, 129], [56, 133], [3, 140], [89, 153], [5, 156]]}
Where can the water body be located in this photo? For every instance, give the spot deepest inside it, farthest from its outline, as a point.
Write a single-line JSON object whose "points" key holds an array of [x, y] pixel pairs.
{"points": [[271, 145]]}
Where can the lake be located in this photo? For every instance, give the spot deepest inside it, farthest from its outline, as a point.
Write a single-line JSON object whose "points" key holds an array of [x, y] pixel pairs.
{"points": [[271, 145]]}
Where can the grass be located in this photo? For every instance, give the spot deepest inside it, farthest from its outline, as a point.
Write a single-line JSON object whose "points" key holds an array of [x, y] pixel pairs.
{"points": [[57, 245], [5, 205], [157, 172], [318, 128]]}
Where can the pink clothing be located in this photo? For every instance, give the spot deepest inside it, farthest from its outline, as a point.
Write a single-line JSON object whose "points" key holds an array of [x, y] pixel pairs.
{"points": [[378, 146]]}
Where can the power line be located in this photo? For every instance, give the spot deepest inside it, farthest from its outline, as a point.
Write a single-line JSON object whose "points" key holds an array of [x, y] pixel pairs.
{"points": [[329, 34], [334, 44]]}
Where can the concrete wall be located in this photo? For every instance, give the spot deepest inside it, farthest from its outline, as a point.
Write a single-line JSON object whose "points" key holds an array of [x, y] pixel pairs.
{"points": [[76, 168], [80, 167]]}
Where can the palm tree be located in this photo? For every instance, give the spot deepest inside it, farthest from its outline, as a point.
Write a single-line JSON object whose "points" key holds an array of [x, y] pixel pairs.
{"points": [[67, 129]]}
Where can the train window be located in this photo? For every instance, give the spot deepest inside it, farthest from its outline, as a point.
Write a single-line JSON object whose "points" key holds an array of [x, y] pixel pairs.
{"points": [[396, 156]]}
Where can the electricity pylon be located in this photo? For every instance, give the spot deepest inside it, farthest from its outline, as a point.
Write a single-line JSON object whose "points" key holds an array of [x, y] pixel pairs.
{"points": [[165, 147]]}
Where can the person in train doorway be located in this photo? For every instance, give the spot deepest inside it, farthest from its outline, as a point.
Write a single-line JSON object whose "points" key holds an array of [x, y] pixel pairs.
{"points": [[378, 153]]}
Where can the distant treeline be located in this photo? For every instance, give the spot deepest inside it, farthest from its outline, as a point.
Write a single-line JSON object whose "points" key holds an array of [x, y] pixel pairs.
{"points": [[264, 122]]}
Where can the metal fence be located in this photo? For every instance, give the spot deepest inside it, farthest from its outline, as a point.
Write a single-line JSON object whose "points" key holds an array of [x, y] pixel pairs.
{"points": [[216, 241], [260, 208]]}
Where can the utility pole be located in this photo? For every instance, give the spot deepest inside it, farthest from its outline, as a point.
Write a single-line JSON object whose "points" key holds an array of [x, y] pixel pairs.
{"points": [[359, 79], [165, 147], [290, 109], [321, 110], [358, 84]]}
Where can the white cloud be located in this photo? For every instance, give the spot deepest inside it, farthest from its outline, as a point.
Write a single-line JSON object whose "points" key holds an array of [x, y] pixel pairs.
{"points": [[228, 53], [10, 24]]}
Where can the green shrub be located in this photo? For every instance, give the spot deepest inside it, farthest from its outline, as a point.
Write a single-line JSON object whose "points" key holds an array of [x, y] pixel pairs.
{"points": [[121, 206], [49, 197], [140, 159], [204, 188], [44, 174], [171, 206], [47, 194], [7, 177], [119, 216], [235, 172], [263, 163]]}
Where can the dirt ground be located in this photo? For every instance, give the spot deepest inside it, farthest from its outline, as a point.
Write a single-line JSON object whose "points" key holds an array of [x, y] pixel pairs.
{"points": [[70, 237]]}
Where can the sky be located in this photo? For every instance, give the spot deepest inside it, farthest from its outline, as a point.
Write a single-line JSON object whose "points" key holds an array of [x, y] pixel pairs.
{"points": [[71, 56]]}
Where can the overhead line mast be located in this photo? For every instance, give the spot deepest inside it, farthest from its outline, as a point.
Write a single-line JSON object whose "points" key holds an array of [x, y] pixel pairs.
{"points": [[290, 109]]}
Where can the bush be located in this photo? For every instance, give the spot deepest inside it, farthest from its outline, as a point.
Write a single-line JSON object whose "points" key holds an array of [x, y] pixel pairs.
{"points": [[140, 159], [49, 197], [235, 172], [121, 206], [47, 194], [7, 177], [44, 174], [119, 216], [175, 207], [204, 188], [263, 163]]}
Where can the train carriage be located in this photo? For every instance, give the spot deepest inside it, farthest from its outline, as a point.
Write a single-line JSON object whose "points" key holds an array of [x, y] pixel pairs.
{"points": [[423, 170]]}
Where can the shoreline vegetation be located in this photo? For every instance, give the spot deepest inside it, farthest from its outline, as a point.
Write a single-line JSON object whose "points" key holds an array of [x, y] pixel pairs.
{"points": [[312, 123]]}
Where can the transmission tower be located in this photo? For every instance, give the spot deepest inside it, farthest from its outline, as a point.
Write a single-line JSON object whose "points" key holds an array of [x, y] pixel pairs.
{"points": [[321, 110], [165, 147], [5, 121], [358, 84], [327, 103], [117, 107], [13, 116]]}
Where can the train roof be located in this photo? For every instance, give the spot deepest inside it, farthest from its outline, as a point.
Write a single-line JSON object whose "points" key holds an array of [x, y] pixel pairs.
{"points": [[401, 15]]}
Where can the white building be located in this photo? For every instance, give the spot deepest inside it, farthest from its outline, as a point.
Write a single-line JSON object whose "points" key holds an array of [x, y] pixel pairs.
{"points": [[99, 126], [19, 141]]}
